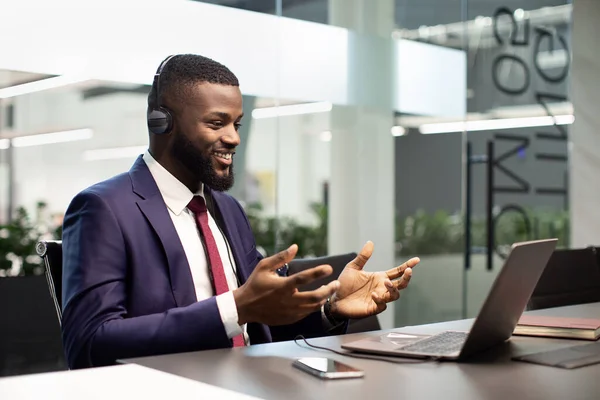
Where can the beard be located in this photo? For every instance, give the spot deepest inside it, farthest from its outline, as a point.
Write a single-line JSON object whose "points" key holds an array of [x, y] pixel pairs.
{"points": [[200, 164]]}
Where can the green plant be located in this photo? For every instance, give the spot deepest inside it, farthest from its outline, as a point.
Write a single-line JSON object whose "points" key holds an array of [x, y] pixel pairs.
{"points": [[443, 233], [18, 239], [272, 233], [420, 234], [424, 233]]}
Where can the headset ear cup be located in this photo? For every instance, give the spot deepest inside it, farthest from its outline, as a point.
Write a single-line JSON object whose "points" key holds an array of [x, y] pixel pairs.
{"points": [[160, 121]]}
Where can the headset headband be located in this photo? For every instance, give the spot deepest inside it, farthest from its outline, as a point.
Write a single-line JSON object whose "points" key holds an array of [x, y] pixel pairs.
{"points": [[157, 80]]}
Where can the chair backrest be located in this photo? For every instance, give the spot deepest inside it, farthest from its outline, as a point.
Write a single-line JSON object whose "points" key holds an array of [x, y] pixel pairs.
{"points": [[51, 253], [30, 335], [337, 262], [570, 277]]}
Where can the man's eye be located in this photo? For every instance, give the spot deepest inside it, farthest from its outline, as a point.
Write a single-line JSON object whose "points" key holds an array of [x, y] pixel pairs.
{"points": [[218, 124], [237, 126]]}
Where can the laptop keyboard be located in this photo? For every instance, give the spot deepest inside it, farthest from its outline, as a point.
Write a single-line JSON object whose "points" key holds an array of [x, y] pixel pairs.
{"points": [[442, 343]]}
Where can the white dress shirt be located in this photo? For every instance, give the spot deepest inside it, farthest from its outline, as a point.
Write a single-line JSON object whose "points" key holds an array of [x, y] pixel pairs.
{"points": [[177, 196]]}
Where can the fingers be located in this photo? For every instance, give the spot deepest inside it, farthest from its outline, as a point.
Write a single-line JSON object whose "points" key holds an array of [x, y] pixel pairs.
{"points": [[305, 303], [397, 272], [392, 293], [393, 289], [319, 295], [361, 259], [402, 283], [309, 275], [380, 302], [278, 260]]}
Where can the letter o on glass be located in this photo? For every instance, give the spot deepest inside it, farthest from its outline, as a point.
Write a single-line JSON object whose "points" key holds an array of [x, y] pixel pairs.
{"points": [[495, 70]]}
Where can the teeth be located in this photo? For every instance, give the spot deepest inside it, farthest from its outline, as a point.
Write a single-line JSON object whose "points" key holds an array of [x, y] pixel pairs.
{"points": [[226, 156]]}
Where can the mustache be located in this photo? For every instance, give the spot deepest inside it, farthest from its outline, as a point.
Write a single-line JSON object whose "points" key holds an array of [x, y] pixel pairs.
{"points": [[224, 149]]}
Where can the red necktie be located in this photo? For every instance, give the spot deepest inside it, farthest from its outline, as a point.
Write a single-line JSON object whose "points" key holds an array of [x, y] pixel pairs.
{"points": [[198, 207]]}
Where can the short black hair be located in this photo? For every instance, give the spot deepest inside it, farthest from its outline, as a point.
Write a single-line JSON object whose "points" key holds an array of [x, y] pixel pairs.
{"points": [[183, 71]]}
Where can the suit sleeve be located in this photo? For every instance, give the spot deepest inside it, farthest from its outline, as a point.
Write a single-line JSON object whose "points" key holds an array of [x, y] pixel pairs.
{"points": [[96, 328], [310, 327]]}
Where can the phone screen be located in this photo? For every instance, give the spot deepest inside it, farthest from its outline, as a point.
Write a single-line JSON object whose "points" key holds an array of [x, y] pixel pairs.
{"points": [[327, 368]]}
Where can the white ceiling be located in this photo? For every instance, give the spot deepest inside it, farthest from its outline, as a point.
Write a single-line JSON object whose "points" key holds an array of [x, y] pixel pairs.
{"points": [[11, 78]]}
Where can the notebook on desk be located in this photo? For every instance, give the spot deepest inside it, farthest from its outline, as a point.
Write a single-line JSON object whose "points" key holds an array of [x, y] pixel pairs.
{"points": [[497, 318], [558, 327]]}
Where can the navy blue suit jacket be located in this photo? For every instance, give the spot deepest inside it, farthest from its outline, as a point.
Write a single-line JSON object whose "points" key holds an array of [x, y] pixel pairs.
{"points": [[127, 286]]}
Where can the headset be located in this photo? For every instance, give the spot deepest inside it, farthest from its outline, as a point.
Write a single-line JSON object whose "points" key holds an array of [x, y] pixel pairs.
{"points": [[160, 119]]}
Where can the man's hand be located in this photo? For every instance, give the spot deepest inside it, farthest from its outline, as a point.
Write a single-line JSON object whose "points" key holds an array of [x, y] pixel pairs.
{"points": [[271, 299], [362, 294]]}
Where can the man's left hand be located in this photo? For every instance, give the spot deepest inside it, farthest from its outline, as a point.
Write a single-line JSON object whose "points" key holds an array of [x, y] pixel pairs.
{"points": [[362, 294]]}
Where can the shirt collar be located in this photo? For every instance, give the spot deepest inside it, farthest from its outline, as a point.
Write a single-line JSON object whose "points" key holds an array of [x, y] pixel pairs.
{"points": [[175, 194]]}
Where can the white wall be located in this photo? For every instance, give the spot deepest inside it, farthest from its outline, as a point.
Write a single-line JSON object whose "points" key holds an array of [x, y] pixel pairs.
{"points": [[56, 172], [441, 73]]}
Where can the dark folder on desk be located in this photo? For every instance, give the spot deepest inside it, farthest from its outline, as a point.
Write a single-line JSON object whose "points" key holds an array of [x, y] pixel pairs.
{"points": [[568, 358]]}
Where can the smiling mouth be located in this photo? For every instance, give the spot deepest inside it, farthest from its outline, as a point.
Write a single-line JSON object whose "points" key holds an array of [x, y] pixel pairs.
{"points": [[224, 157]]}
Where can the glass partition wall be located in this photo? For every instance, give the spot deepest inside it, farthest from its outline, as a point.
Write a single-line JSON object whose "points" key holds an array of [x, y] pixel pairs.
{"points": [[511, 146], [518, 85], [364, 120]]}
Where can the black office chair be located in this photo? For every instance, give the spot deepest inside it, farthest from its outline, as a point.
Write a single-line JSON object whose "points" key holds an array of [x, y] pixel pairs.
{"points": [[570, 277], [30, 337], [51, 253], [337, 262]]}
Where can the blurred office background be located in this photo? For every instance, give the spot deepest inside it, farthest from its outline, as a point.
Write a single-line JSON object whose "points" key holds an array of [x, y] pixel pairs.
{"points": [[365, 120]]}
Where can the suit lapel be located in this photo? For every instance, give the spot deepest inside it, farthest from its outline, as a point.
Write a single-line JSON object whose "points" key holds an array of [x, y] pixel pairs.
{"points": [[152, 205]]}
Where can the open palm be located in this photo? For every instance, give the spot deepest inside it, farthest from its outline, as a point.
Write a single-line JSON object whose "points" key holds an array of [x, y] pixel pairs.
{"points": [[362, 294]]}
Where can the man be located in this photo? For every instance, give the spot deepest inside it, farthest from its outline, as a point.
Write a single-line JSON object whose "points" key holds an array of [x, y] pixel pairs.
{"points": [[160, 260]]}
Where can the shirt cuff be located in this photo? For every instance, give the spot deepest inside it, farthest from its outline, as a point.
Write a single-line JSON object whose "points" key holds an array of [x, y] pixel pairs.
{"points": [[229, 315]]}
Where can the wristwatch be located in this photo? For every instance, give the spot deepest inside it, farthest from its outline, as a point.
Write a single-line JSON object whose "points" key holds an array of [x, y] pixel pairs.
{"points": [[330, 317]]}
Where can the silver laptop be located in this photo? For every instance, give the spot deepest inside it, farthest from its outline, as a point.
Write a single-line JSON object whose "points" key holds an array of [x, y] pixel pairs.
{"points": [[497, 318]]}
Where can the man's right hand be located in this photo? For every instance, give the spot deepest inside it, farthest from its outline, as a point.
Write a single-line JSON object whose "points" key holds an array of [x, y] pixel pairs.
{"points": [[271, 299]]}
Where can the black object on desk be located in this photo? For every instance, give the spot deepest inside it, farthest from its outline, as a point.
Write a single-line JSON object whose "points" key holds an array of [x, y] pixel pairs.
{"points": [[569, 357]]}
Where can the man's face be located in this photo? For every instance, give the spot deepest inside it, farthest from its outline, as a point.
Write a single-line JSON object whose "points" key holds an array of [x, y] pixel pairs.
{"points": [[206, 133]]}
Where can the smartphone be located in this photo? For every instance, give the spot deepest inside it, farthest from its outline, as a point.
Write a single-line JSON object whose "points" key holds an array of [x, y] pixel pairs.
{"points": [[326, 368]]}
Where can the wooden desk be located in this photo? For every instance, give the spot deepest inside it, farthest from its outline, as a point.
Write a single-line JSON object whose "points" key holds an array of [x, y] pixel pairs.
{"points": [[265, 371]]}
